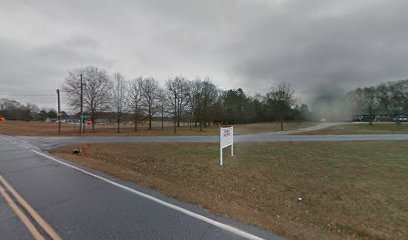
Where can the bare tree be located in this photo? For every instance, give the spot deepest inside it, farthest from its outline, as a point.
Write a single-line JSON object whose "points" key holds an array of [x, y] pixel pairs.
{"points": [[209, 93], [182, 103], [190, 102], [202, 96], [163, 106], [371, 103], [196, 101], [96, 90], [119, 97], [172, 95], [150, 97], [365, 101], [177, 92], [281, 100], [134, 98]]}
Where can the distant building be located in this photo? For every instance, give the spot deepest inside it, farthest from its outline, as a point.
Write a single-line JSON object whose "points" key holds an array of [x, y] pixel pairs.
{"points": [[384, 118], [362, 117]]}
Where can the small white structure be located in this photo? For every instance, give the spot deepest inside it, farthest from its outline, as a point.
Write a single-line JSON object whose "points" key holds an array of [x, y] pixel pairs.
{"points": [[226, 139]]}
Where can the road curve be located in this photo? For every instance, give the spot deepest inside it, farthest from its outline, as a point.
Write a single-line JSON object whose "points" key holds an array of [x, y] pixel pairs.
{"points": [[80, 203]]}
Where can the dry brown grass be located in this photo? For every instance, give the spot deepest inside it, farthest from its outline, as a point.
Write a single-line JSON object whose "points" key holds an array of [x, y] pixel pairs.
{"points": [[354, 190], [33, 128], [269, 127]]}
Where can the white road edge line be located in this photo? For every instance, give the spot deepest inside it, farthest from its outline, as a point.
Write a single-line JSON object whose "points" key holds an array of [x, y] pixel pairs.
{"points": [[223, 226]]}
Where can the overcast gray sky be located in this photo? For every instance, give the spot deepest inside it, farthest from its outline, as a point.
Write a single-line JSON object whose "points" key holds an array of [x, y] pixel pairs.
{"points": [[313, 44]]}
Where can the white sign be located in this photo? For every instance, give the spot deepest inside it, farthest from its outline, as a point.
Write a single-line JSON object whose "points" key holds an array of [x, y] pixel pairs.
{"points": [[226, 139]]}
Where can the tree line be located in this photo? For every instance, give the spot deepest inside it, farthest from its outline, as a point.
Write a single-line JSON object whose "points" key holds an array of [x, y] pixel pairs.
{"points": [[14, 110], [200, 103], [386, 99], [196, 101]]}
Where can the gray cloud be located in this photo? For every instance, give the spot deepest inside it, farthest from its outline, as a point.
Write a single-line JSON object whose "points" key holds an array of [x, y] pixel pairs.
{"points": [[251, 44]]}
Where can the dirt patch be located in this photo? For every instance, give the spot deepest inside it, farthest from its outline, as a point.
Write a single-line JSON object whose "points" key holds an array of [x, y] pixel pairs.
{"points": [[269, 127], [346, 189]]}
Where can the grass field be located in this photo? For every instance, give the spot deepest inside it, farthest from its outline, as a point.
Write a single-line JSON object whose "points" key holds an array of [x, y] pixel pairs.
{"points": [[349, 190], [51, 129], [361, 128]]}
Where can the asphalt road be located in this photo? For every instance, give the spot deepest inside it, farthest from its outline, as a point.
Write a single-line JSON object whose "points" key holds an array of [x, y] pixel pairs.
{"points": [[46, 143], [79, 203]]}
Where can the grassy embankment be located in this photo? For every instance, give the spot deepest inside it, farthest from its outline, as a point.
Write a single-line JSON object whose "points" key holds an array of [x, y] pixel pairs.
{"points": [[354, 190]]}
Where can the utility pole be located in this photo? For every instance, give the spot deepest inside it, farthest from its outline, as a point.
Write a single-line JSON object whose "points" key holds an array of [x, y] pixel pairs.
{"points": [[162, 115], [59, 111], [82, 110], [175, 113]]}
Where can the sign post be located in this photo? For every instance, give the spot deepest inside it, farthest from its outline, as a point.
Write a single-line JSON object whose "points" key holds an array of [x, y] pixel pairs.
{"points": [[88, 121], [85, 120], [59, 111], [226, 139]]}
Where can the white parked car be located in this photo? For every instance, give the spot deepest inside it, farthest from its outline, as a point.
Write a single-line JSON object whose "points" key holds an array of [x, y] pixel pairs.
{"points": [[401, 119]]}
